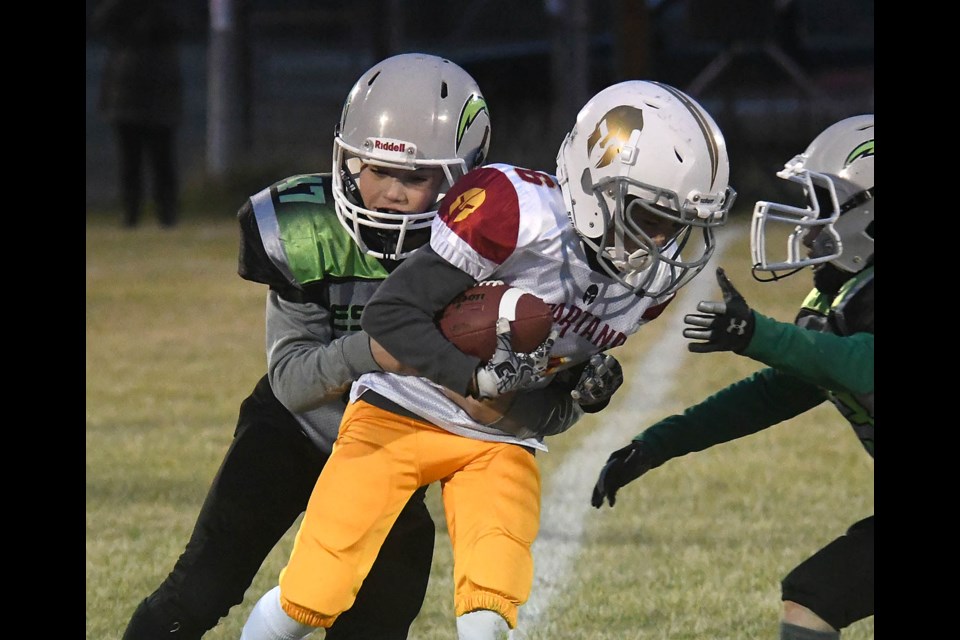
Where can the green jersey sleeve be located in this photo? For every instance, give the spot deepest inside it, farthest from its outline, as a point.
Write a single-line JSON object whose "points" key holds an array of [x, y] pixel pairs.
{"points": [[747, 406], [837, 363]]}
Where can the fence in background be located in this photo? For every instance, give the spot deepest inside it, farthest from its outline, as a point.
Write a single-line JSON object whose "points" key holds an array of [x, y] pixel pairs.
{"points": [[772, 72]]}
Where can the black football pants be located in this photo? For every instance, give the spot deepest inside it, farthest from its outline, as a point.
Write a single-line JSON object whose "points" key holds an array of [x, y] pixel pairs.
{"points": [[836, 583], [262, 486]]}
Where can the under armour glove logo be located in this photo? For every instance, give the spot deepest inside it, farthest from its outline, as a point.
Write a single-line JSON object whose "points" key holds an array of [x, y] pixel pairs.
{"points": [[738, 326], [721, 326]]}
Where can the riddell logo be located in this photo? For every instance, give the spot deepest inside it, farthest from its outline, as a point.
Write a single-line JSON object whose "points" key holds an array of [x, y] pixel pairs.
{"points": [[389, 146]]}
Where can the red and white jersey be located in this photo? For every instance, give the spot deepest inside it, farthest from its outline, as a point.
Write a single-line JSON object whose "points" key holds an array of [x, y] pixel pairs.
{"points": [[509, 223], [502, 222]]}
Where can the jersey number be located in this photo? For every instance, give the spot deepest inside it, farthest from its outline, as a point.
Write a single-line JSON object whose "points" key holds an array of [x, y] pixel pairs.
{"points": [[536, 177], [346, 317], [300, 189]]}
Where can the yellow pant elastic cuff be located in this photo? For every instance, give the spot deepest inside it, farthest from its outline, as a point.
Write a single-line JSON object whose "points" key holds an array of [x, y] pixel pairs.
{"points": [[304, 615], [491, 602]]}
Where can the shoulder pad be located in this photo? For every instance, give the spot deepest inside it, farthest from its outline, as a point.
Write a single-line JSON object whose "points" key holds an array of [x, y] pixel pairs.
{"points": [[293, 237], [852, 310], [483, 210], [253, 263]]}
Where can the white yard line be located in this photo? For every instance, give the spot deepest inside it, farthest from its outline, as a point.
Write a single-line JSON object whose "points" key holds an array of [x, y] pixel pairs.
{"points": [[567, 500]]}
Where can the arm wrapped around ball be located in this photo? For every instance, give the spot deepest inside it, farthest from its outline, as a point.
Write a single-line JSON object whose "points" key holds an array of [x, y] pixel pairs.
{"points": [[539, 413]]}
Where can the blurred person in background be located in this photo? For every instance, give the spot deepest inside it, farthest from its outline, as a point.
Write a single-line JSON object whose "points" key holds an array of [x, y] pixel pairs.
{"points": [[141, 97], [825, 355]]}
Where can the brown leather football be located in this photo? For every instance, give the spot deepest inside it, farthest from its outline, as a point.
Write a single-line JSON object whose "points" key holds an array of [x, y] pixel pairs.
{"points": [[470, 320]]}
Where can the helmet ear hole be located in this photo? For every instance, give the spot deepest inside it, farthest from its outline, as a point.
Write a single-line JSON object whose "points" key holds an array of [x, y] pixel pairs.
{"points": [[822, 195], [586, 182]]}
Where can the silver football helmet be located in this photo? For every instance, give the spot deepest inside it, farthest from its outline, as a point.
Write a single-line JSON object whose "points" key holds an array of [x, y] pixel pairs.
{"points": [[640, 148], [836, 173], [410, 111]]}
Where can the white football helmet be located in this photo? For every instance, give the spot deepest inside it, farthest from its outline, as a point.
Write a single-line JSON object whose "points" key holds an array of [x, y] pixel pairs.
{"points": [[410, 111], [641, 147], [836, 173]]}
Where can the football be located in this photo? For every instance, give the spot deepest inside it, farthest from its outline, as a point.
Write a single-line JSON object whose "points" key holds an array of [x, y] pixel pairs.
{"points": [[470, 320]]}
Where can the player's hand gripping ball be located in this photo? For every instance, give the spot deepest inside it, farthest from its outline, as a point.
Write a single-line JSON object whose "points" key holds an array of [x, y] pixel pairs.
{"points": [[470, 320]]}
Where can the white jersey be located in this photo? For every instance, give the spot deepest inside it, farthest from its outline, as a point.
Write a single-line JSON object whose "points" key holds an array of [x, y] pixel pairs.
{"points": [[507, 223]]}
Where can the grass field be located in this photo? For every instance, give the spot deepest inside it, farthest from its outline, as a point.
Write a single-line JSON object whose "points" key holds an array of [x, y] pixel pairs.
{"points": [[693, 550]]}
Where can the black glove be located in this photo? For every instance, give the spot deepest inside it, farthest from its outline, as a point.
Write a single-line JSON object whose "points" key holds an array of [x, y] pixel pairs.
{"points": [[724, 326], [600, 379], [623, 466]]}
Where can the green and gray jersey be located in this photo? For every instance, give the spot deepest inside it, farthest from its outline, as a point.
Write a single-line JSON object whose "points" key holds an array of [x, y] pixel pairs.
{"points": [[827, 354], [293, 241]]}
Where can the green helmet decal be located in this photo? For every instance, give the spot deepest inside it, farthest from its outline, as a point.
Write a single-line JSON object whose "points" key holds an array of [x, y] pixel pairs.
{"points": [[472, 108], [862, 150]]}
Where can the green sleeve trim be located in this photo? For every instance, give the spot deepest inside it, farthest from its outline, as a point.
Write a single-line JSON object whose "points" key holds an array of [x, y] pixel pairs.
{"points": [[852, 286], [816, 301]]}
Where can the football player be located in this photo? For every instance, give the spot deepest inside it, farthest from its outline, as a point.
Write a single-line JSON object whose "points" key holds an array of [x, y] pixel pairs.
{"points": [[628, 219], [826, 355], [323, 243]]}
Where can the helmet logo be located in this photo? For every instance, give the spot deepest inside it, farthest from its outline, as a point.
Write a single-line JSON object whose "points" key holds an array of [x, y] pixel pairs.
{"points": [[862, 150], [388, 145], [466, 203], [613, 131], [472, 108]]}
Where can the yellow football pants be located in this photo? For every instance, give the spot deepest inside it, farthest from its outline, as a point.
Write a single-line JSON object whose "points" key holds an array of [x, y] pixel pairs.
{"points": [[491, 496]]}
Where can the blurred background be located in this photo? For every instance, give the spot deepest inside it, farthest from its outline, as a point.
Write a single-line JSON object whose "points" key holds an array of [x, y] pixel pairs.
{"points": [[264, 80]]}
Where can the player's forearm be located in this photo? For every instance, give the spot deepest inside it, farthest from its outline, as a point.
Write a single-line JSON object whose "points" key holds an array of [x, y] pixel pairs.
{"points": [[747, 406], [400, 317], [306, 367], [838, 363], [539, 413]]}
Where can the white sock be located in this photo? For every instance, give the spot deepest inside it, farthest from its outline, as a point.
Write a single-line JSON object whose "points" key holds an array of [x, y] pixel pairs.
{"points": [[268, 621], [482, 625]]}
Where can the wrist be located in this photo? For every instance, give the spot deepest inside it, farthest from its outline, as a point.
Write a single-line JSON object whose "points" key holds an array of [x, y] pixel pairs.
{"points": [[473, 389], [483, 385], [357, 354], [594, 407], [749, 328]]}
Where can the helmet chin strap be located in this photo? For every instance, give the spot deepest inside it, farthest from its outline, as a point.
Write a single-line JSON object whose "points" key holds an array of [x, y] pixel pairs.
{"points": [[637, 261], [771, 276], [350, 186]]}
